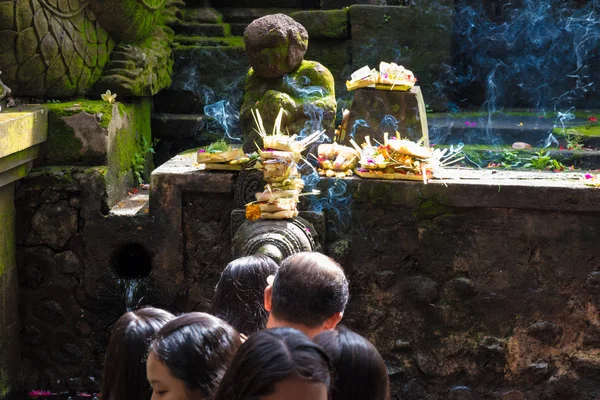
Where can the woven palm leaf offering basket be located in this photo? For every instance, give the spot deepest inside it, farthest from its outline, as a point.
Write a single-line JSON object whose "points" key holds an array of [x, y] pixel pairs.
{"points": [[278, 159], [222, 156], [403, 159]]}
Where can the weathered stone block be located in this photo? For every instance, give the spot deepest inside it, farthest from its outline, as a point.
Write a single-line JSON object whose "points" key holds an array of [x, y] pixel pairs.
{"points": [[330, 24], [374, 112], [53, 225], [97, 133]]}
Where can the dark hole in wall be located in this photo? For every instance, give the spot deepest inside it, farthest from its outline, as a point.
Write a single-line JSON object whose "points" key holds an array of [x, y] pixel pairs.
{"points": [[132, 261]]}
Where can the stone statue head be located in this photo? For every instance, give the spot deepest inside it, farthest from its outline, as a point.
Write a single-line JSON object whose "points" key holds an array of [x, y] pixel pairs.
{"points": [[275, 45]]}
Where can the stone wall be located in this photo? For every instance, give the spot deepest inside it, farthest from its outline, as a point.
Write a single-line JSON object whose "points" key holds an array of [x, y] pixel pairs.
{"points": [[463, 300], [9, 321], [470, 291], [62, 338]]}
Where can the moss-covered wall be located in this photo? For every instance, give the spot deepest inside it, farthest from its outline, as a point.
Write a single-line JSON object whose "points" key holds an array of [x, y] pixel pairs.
{"points": [[129, 148], [89, 132], [9, 323]]}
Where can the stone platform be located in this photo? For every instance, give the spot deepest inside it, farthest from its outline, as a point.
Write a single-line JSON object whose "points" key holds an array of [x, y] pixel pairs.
{"points": [[483, 285]]}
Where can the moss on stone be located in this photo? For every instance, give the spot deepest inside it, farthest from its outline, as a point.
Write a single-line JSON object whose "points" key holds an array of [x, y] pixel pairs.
{"points": [[7, 242], [131, 141], [431, 208], [62, 146], [231, 41], [589, 130], [324, 24], [128, 20], [94, 107], [4, 381]]}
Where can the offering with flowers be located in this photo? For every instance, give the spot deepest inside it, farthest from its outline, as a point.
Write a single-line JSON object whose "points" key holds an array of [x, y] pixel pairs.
{"points": [[278, 160], [398, 158], [336, 160], [389, 77], [221, 155]]}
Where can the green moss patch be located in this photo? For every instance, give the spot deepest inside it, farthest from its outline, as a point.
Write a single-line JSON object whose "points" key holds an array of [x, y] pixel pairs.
{"points": [[94, 107], [131, 142], [235, 41], [325, 24], [590, 130]]}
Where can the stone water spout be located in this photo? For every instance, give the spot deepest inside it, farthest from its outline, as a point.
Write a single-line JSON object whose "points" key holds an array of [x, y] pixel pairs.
{"points": [[277, 239]]}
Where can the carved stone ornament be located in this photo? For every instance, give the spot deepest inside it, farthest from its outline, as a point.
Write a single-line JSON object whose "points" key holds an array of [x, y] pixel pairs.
{"points": [[277, 239]]}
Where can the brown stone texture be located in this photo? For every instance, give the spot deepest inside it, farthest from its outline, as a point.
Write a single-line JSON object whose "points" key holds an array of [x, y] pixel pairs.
{"points": [[59, 352], [275, 45]]}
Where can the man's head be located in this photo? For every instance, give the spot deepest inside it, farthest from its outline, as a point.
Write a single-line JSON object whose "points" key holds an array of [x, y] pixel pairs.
{"points": [[309, 292]]}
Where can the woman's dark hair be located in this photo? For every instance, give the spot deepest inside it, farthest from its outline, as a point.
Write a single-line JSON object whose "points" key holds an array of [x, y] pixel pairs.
{"points": [[269, 357], [308, 289], [239, 296], [197, 348], [124, 375], [360, 372]]}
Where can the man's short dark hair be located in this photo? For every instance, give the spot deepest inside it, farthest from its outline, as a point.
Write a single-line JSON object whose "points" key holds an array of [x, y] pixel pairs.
{"points": [[308, 289]]}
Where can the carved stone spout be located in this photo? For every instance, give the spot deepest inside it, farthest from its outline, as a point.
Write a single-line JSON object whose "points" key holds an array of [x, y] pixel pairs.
{"points": [[277, 239]]}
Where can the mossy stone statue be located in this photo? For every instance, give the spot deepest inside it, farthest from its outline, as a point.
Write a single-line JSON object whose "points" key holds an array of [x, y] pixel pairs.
{"points": [[280, 78], [58, 48]]}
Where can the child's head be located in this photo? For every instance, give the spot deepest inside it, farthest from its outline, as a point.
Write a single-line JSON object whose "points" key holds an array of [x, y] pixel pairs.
{"points": [[360, 372], [239, 294], [277, 364], [124, 375], [310, 293], [189, 356]]}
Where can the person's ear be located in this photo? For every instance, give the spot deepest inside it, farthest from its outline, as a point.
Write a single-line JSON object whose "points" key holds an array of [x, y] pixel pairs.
{"points": [[268, 297], [333, 321]]}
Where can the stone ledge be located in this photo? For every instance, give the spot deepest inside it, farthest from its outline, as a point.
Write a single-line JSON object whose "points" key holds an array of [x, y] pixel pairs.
{"points": [[182, 173], [22, 129], [483, 189]]}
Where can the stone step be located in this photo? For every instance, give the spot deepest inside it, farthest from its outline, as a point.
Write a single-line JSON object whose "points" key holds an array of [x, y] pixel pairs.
{"points": [[203, 15], [200, 29], [237, 28], [135, 204], [180, 132], [247, 15], [482, 156], [201, 74], [166, 125], [203, 41], [500, 129]]}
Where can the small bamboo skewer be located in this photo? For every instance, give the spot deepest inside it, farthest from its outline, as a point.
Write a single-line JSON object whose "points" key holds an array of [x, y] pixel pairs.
{"points": [[355, 145], [277, 125]]}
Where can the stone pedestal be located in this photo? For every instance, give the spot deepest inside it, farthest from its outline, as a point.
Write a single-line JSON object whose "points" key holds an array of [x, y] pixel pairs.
{"points": [[21, 134], [374, 112]]}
